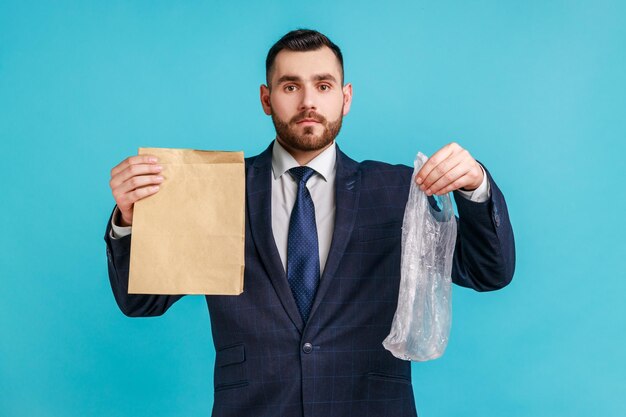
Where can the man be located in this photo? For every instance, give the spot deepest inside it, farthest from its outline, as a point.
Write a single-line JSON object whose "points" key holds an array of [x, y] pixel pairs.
{"points": [[322, 252]]}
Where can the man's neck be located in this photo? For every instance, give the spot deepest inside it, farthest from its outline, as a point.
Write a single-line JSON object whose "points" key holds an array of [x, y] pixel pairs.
{"points": [[303, 157]]}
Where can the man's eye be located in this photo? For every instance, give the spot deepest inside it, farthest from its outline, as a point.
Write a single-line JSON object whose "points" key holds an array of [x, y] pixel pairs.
{"points": [[290, 88], [324, 87]]}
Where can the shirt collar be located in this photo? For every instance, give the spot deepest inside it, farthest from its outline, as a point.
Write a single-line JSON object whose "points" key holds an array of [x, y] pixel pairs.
{"points": [[323, 164]]}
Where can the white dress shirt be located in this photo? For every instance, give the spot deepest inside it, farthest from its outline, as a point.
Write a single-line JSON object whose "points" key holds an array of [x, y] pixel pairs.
{"points": [[284, 190], [322, 188]]}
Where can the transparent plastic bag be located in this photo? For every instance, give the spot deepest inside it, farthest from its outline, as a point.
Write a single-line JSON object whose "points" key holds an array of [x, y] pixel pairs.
{"points": [[421, 324]]}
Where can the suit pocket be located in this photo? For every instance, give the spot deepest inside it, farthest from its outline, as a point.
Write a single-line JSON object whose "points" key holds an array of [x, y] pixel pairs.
{"points": [[380, 231], [389, 394], [230, 355], [230, 367], [232, 385], [399, 379]]}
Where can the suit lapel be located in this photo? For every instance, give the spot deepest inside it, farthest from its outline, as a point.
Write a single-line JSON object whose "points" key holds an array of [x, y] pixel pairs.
{"points": [[347, 190], [259, 194], [259, 202]]}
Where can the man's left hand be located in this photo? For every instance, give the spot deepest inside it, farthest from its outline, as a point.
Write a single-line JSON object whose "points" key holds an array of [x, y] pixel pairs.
{"points": [[449, 169]]}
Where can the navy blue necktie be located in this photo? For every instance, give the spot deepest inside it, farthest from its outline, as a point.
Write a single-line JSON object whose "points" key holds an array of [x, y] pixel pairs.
{"points": [[303, 261]]}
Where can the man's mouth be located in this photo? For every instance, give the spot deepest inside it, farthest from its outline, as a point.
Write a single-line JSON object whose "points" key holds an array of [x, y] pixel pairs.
{"points": [[308, 118], [307, 121]]}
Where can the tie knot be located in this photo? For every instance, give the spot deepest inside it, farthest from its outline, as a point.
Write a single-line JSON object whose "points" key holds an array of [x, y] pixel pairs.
{"points": [[302, 173]]}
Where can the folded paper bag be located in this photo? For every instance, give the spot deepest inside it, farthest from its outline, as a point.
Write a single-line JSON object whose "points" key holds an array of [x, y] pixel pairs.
{"points": [[189, 237]]}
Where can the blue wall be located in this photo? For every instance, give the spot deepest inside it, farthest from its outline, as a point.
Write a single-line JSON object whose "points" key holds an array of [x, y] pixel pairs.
{"points": [[536, 90]]}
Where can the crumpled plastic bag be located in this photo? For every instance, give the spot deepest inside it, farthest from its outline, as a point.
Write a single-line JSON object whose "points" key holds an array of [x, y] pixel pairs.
{"points": [[421, 324]]}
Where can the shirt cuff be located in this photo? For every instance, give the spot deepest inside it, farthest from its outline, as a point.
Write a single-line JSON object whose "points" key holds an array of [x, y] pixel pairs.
{"points": [[482, 193], [118, 232]]}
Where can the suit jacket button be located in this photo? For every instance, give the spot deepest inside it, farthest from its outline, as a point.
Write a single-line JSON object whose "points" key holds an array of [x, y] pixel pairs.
{"points": [[307, 348]]}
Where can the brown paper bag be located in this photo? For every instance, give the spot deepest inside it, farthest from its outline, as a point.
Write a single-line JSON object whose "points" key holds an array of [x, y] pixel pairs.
{"points": [[189, 237]]}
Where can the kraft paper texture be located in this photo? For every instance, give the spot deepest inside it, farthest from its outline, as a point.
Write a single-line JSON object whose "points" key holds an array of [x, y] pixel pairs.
{"points": [[188, 238]]}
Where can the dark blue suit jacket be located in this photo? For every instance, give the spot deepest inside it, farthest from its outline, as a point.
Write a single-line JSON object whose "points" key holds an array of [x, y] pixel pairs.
{"points": [[268, 362]]}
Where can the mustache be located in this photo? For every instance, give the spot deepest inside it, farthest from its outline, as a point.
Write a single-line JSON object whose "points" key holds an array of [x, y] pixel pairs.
{"points": [[309, 114]]}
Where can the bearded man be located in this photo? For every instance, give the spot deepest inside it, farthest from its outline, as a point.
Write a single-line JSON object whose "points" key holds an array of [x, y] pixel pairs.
{"points": [[322, 252]]}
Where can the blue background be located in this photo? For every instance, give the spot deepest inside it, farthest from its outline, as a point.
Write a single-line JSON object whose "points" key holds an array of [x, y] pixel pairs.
{"points": [[536, 90]]}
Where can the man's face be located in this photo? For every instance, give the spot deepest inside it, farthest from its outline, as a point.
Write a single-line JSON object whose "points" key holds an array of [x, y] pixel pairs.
{"points": [[306, 100]]}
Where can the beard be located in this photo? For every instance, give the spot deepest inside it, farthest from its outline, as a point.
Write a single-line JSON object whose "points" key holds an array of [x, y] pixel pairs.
{"points": [[307, 140]]}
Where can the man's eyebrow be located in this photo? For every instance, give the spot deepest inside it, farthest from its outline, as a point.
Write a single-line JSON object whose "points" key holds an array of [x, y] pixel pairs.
{"points": [[316, 77], [325, 77], [288, 78]]}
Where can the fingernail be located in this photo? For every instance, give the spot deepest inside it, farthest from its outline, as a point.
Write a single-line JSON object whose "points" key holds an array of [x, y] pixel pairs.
{"points": [[155, 188], [158, 167], [159, 178], [422, 187], [153, 160], [419, 180], [428, 192]]}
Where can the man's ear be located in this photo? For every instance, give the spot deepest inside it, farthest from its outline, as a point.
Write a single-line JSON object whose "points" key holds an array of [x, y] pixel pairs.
{"points": [[347, 98], [265, 99]]}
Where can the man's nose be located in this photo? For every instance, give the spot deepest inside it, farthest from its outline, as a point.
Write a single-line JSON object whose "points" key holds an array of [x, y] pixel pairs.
{"points": [[308, 99]]}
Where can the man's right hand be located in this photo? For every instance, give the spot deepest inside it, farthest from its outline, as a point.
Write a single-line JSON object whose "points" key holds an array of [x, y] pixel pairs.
{"points": [[133, 179]]}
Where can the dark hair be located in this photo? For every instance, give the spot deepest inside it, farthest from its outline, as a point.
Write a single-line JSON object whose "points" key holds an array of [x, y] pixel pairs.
{"points": [[301, 40]]}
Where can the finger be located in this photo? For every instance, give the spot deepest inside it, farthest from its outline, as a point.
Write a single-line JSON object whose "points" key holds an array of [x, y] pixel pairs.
{"points": [[137, 182], [133, 160], [458, 184], [441, 170], [472, 178], [452, 180], [133, 171], [127, 200], [435, 160]]}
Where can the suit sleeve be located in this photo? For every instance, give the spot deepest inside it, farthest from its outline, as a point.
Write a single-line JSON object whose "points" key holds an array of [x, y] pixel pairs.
{"points": [[484, 256], [132, 305]]}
